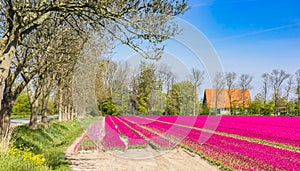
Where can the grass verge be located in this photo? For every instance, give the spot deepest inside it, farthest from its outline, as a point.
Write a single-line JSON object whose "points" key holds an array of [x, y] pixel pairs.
{"points": [[51, 142]]}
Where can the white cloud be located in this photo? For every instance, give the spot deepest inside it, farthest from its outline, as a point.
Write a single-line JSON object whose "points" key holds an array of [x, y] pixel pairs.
{"points": [[196, 4], [258, 32]]}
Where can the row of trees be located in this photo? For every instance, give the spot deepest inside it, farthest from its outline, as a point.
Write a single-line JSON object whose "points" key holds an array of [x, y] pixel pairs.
{"points": [[276, 96], [154, 89], [148, 89], [231, 81], [42, 40], [280, 93]]}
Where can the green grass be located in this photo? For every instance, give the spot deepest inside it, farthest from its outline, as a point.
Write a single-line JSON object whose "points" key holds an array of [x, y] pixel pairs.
{"points": [[52, 141], [13, 162]]}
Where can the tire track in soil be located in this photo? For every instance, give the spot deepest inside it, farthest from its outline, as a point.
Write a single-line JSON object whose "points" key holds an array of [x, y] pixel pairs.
{"points": [[172, 160]]}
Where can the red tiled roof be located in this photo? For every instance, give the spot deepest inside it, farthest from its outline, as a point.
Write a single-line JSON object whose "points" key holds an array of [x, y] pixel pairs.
{"points": [[210, 98]]}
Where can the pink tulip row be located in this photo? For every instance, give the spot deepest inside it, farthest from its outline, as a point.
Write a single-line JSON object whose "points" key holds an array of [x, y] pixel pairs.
{"points": [[134, 139], [153, 137], [112, 139], [285, 130], [91, 136], [229, 152], [95, 131], [78, 144]]}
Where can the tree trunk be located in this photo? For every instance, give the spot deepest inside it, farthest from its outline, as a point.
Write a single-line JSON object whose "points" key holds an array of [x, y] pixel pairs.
{"points": [[194, 102], [230, 101], [8, 45], [276, 103], [34, 113], [5, 61], [298, 93], [73, 113], [60, 104], [69, 111], [243, 98], [217, 93], [45, 100], [34, 105], [65, 115], [5, 113]]}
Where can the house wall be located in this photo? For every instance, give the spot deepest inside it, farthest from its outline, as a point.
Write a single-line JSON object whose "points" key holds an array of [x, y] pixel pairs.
{"points": [[223, 111]]}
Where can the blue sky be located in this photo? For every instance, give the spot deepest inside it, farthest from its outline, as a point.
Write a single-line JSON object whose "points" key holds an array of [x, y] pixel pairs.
{"points": [[251, 36]]}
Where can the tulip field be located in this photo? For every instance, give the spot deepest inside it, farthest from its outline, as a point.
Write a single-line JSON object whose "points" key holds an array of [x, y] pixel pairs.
{"points": [[231, 142]]}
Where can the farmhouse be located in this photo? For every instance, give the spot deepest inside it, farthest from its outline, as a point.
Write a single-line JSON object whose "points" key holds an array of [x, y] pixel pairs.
{"points": [[225, 101]]}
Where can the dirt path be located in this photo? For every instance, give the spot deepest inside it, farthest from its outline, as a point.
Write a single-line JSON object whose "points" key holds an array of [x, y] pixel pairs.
{"points": [[138, 160]]}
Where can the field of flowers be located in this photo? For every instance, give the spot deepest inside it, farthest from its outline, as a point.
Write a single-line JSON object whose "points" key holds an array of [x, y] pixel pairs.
{"points": [[237, 143]]}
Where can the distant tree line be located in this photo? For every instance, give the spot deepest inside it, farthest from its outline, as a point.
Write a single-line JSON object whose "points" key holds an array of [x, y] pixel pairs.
{"points": [[280, 92], [154, 89], [148, 89]]}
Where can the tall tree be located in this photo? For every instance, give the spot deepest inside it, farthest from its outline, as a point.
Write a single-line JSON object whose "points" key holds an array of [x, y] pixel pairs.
{"points": [[173, 101], [196, 79], [91, 79], [24, 66], [297, 77], [187, 97], [143, 82], [266, 79], [164, 79], [218, 85], [277, 77], [120, 93], [19, 18], [288, 88], [125, 21], [34, 59], [179, 100], [133, 92], [146, 84], [33, 91], [165, 76], [230, 78], [245, 84]]}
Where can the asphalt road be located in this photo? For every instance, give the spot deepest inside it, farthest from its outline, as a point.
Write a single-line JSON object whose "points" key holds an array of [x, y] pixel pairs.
{"points": [[23, 121]]}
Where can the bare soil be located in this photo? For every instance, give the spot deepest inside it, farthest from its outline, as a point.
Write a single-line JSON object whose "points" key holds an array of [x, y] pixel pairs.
{"points": [[146, 159]]}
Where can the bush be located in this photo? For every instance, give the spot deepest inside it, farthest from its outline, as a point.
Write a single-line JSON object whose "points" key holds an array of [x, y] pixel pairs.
{"points": [[108, 108], [204, 110], [268, 108], [21, 105]]}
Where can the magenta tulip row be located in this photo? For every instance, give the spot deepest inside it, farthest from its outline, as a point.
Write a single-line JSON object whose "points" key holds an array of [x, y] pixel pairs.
{"points": [[112, 140], [285, 130], [112, 137], [133, 138], [153, 137], [229, 152], [92, 134], [233, 153], [135, 134]]}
